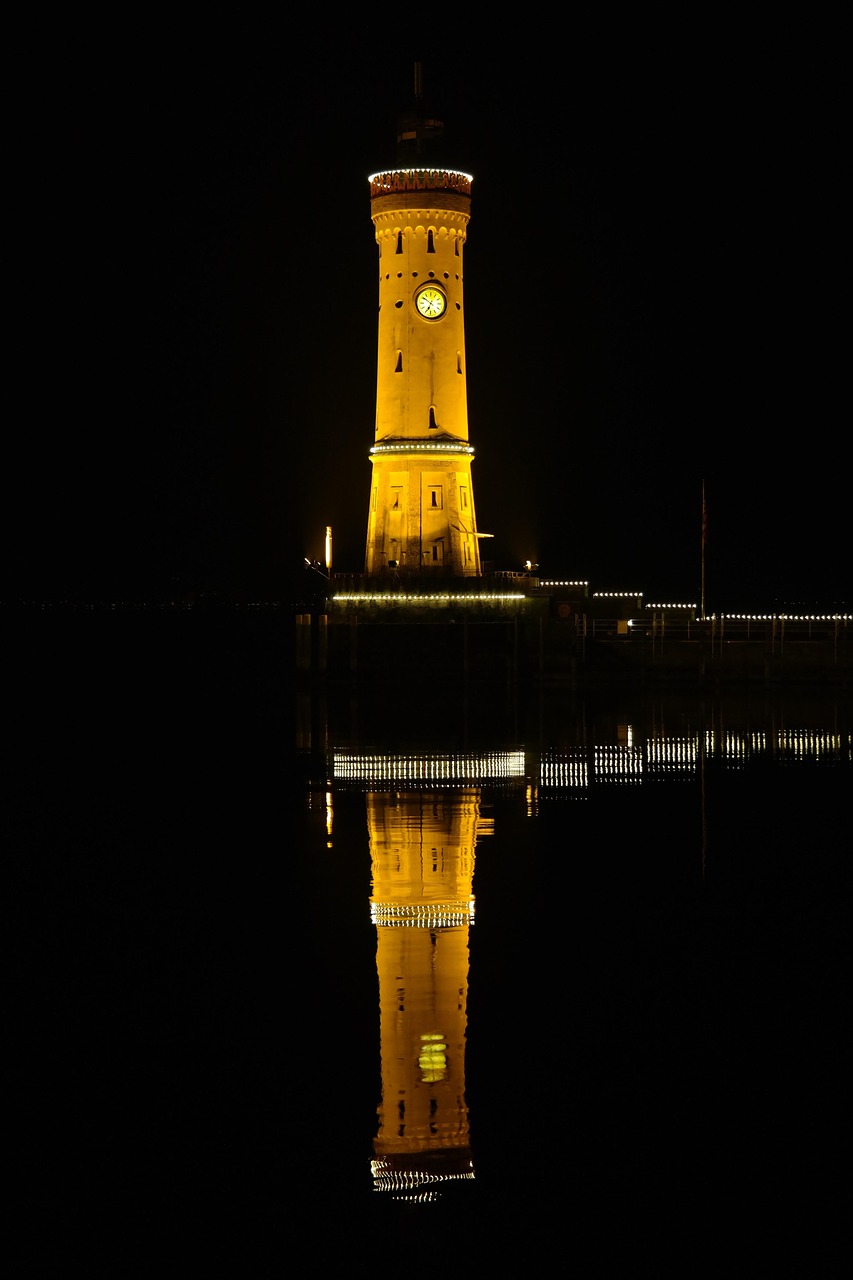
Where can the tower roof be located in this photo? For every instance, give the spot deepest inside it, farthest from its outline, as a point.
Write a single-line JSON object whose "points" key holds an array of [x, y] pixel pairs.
{"points": [[421, 141]]}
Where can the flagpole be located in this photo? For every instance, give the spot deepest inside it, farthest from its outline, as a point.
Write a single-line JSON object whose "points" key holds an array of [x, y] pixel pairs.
{"points": [[704, 527]]}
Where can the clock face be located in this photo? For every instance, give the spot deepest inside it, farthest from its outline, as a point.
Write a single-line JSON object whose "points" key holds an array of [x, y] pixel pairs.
{"points": [[431, 302]]}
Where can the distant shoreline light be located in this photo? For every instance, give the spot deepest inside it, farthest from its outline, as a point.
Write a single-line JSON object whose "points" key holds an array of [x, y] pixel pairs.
{"points": [[670, 606], [781, 617]]}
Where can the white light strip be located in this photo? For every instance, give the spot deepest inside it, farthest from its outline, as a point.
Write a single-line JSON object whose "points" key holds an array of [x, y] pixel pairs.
{"points": [[416, 446], [781, 617], [444, 173], [398, 597]]}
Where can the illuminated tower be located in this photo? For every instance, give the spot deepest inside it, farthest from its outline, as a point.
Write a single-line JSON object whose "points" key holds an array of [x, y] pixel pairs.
{"points": [[421, 520]]}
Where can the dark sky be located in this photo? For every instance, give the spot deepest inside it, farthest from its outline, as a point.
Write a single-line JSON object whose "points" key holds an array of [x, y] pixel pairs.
{"points": [[654, 288]]}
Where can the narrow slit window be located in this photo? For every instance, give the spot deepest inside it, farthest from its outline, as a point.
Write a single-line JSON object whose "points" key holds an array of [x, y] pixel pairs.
{"points": [[433, 425], [458, 361], [398, 368], [435, 497], [430, 242], [399, 242], [396, 498]]}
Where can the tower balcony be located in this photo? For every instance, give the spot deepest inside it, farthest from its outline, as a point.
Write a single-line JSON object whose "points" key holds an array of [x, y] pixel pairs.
{"points": [[397, 181]]}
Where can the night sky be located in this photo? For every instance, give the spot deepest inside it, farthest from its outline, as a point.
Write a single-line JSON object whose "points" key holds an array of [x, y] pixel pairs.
{"points": [[653, 288]]}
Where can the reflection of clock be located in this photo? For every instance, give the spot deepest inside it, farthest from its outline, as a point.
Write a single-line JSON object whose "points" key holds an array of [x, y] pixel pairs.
{"points": [[431, 302]]}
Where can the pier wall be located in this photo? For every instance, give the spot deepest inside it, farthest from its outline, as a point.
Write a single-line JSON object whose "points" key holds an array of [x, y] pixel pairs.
{"points": [[530, 644]]}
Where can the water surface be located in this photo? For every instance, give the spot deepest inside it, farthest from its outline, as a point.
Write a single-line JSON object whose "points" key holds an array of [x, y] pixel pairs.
{"points": [[424, 973]]}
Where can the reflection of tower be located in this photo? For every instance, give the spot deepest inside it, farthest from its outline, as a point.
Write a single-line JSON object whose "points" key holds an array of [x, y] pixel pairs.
{"points": [[422, 857], [421, 514], [424, 820]]}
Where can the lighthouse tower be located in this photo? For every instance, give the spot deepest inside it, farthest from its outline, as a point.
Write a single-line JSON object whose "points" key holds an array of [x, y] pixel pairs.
{"points": [[421, 523]]}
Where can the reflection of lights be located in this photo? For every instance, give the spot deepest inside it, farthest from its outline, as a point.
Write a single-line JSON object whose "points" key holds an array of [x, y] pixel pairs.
{"points": [[664, 758], [414, 1184], [803, 744], [624, 764], [432, 1058], [485, 827], [427, 768], [569, 769], [671, 756], [735, 749], [572, 770], [427, 915]]}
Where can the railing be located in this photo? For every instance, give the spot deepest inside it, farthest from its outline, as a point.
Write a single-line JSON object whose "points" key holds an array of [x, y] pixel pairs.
{"points": [[726, 628]]}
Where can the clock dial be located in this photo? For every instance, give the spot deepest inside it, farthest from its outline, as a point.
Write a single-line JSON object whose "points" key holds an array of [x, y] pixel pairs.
{"points": [[431, 302]]}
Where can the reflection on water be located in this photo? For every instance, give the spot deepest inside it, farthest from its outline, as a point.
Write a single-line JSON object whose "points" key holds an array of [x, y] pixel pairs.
{"points": [[424, 820], [624, 919], [428, 809], [422, 860]]}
